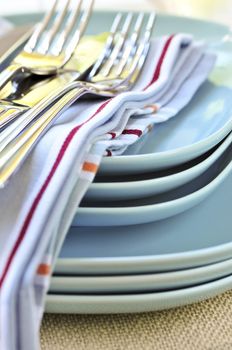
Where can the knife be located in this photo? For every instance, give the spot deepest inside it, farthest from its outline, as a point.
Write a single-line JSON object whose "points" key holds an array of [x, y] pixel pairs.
{"points": [[18, 96], [38, 96]]}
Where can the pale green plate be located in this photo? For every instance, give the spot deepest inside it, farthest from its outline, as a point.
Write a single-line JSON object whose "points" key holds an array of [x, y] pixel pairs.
{"points": [[157, 207], [196, 237], [140, 283], [140, 302], [147, 185]]}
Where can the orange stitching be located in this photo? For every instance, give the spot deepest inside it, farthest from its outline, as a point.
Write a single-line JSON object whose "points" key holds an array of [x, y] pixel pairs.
{"points": [[91, 167]]}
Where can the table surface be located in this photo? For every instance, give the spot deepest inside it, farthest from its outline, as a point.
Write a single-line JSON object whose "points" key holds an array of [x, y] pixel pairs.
{"points": [[203, 326]]}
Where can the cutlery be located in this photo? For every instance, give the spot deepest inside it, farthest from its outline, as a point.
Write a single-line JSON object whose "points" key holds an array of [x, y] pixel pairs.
{"points": [[107, 78], [52, 42], [17, 97], [14, 103]]}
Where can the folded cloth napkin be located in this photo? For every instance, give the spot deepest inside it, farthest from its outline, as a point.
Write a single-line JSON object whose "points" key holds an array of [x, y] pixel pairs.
{"points": [[40, 201], [190, 72]]}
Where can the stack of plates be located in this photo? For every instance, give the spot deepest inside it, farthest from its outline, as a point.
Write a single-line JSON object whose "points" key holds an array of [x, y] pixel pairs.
{"points": [[160, 215]]}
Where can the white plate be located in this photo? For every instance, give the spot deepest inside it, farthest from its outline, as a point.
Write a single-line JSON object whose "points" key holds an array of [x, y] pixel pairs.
{"points": [[112, 191], [125, 303], [157, 207], [140, 283], [196, 237]]}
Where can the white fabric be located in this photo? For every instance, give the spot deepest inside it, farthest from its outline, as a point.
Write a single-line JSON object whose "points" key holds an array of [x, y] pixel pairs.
{"points": [[38, 204]]}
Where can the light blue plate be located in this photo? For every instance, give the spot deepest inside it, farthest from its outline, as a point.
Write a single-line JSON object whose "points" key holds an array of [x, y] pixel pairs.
{"points": [[185, 240], [199, 127], [196, 237], [131, 189], [157, 207], [125, 303], [140, 283]]}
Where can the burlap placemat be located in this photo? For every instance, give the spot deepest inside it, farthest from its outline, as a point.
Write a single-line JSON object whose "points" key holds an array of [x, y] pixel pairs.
{"points": [[203, 326]]}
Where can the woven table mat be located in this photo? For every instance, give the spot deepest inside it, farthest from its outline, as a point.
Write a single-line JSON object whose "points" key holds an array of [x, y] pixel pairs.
{"points": [[202, 326]]}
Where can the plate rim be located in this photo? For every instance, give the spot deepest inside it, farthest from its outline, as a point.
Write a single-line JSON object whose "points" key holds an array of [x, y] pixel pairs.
{"points": [[198, 168], [137, 302], [160, 280], [177, 206]]}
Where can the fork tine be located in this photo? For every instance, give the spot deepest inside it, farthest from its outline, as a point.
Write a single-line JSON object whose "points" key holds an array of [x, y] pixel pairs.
{"points": [[47, 42], [107, 47], [40, 28], [63, 37], [130, 47], [142, 50], [106, 68], [72, 44], [150, 26]]}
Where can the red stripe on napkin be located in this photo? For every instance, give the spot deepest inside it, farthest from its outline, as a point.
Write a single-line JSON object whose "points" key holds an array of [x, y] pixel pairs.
{"points": [[109, 153], [113, 134], [160, 62], [136, 132]]}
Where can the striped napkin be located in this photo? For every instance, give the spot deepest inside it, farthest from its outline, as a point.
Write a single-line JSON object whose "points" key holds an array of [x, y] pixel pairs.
{"points": [[39, 203]]}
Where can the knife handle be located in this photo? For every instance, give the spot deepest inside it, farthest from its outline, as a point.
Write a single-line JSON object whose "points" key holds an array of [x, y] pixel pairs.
{"points": [[15, 153], [10, 72]]}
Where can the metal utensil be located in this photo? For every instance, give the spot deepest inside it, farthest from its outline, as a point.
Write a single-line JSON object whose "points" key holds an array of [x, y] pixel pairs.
{"points": [[52, 42], [107, 78]]}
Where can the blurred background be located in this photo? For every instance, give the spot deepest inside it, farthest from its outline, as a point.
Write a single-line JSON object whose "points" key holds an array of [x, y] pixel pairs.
{"points": [[217, 10]]}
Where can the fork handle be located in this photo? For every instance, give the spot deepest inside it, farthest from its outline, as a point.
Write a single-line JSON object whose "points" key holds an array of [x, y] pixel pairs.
{"points": [[19, 149], [11, 72]]}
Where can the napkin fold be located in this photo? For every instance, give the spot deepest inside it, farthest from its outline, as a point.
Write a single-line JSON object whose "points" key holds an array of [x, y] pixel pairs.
{"points": [[190, 72], [38, 205]]}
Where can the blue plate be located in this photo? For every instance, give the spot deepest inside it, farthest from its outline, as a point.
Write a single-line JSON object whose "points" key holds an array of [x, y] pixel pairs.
{"points": [[158, 207], [196, 237], [145, 185], [125, 303], [140, 283], [199, 127]]}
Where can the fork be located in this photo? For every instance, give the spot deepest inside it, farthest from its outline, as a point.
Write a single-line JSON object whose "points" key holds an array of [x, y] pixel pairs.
{"points": [[107, 78], [52, 42], [11, 108], [14, 103]]}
